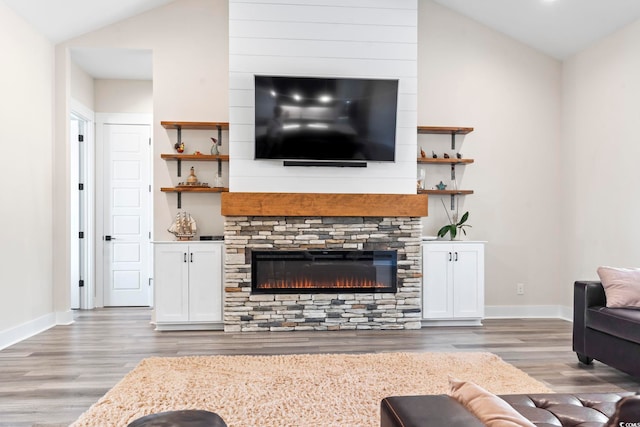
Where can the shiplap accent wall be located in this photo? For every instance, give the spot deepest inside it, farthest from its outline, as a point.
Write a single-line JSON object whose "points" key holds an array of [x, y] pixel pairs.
{"points": [[322, 38]]}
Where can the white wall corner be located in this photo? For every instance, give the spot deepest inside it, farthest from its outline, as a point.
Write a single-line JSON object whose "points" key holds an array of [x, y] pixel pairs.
{"points": [[566, 313], [528, 312], [14, 335], [64, 317]]}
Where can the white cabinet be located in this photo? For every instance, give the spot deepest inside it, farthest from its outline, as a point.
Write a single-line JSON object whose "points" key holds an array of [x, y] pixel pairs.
{"points": [[453, 282], [188, 285]]}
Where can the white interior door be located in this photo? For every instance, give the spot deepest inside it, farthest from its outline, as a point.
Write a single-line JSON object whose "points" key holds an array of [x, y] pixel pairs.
{"points": [[126, 215]]}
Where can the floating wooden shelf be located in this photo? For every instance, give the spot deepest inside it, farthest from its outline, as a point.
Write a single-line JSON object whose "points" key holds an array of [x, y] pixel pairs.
{"points": [[446, 130], [194, 189], [196, 157], [179, 157], [444, 161], [199, 190], [324, 204], [451, 192], [195, 125], [453, 131]]}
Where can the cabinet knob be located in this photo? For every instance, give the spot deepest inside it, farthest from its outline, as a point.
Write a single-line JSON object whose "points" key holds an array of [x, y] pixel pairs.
{"points": [[456, 258], [185, 256], [449, 256], [191, 257]]}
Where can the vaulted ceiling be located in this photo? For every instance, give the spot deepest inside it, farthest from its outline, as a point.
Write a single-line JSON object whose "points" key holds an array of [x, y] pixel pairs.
{"points": [[559, 28]]}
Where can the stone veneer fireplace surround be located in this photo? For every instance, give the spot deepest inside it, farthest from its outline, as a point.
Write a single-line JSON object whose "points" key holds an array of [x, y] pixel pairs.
{"points": [[244, 311]]}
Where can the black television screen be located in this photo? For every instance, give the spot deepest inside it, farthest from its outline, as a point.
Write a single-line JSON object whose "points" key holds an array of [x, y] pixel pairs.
{"points": [[325, 118]]}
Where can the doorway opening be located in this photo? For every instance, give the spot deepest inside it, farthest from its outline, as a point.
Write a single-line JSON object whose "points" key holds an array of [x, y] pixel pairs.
{"points": [[112, 253], [81, 144]]}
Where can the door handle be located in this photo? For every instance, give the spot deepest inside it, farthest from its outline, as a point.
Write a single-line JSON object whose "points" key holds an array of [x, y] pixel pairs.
{"points": [[456, 258], [185, 256], [191, 257], [449, 256], [109, 238]]}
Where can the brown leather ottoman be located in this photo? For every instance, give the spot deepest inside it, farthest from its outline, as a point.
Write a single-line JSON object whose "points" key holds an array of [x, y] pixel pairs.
{"points": [[184, 418]]}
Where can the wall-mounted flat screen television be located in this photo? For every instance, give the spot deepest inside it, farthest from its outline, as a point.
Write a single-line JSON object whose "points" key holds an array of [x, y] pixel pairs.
{"points": [[312, 118]]}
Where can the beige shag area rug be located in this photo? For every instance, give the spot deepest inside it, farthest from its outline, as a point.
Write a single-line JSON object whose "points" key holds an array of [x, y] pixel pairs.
{"points": [[296, 390]]}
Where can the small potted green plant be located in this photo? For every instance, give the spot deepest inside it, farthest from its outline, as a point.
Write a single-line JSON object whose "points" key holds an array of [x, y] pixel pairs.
{"points": [[454, 226]]}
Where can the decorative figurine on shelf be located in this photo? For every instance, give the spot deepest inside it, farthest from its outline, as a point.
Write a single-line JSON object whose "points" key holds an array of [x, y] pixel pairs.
{"points": [[214, 147], [422, 153], [433, 154], [192, 179], [459, 155], [441, 186], [446, 156], [179, 146], [183, 227]]}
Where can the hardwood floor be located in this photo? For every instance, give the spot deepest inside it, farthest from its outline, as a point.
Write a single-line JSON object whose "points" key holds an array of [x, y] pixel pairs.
{"points": [[50, 379]]}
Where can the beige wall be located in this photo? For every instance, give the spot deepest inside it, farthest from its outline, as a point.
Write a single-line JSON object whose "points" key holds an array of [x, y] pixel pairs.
{"points": [[600, 150], [81, 86], [123, 96], [27, 116], [469, 75]]}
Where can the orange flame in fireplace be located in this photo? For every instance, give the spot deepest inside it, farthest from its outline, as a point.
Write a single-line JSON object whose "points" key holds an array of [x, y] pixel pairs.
{"points": [[304, 283]]}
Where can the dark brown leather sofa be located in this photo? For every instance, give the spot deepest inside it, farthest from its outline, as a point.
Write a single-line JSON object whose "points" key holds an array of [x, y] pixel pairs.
{"points": [[610, 335], [543, 410]]}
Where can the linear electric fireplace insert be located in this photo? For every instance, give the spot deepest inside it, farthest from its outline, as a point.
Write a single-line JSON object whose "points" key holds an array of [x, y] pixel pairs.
{"points": [[323, 271]]}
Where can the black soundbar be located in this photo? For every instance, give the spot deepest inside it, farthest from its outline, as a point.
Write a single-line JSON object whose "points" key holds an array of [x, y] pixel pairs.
{"points": [[325, 164]]}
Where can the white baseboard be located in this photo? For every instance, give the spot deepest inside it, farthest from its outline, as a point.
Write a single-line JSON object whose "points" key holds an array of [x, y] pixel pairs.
{"points": [[189, 326], [451, 322], [26, 330], [528, 312]]}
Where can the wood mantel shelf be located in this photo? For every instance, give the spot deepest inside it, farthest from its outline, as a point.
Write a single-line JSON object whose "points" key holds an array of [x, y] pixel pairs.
{"points": [[324, 204]]}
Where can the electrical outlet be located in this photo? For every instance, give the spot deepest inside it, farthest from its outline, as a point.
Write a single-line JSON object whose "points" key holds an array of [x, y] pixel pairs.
{"points": [[520, 289]]}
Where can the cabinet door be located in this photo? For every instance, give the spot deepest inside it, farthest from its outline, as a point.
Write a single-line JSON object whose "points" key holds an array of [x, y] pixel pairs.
{"points": [[171, 280], [205, 282], [437, 287], [468, 280]]}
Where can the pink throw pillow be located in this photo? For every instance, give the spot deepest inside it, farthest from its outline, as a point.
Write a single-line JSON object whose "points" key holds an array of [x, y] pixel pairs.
{"points": [[489, 408], [621, 286]]}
